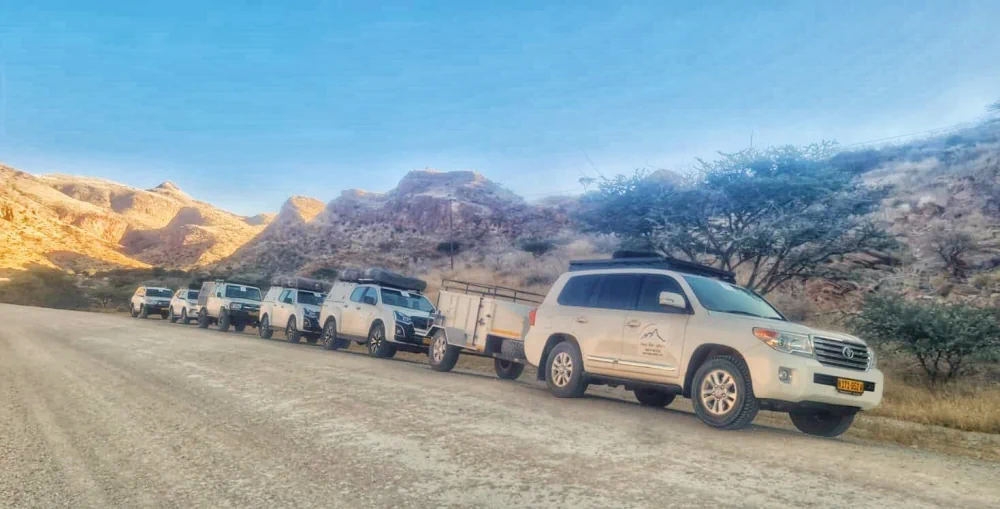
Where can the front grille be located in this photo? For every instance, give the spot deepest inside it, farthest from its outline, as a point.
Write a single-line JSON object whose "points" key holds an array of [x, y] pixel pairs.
{"points": [[251, 307], [832, 352], [420, 322]]}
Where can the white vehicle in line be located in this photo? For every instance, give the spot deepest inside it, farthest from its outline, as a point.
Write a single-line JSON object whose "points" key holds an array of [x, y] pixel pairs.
{"points": [[381, 309], [228, 304], [293, 304], [149, 300], [183, 306], [482, 320], [663, 327]]}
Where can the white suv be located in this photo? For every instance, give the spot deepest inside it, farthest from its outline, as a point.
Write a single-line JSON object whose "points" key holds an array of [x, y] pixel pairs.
{"points": [[149, 300], [228, 304], [662, 327], [183, 301], [381, 309], [293, 304]]}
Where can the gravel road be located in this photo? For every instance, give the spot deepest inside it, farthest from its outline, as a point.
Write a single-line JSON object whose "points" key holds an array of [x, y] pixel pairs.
{"points": [[108, 411]]}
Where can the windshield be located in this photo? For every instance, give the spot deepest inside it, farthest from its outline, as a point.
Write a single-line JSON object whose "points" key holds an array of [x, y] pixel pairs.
{"points": [[156, 292], [316, 299], [192, 295], [406, 300], [720, 296], [242, 292]]}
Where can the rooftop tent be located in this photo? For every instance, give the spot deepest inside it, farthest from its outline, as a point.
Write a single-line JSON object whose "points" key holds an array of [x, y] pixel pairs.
{"points": [[301, 283], [383, 277]]}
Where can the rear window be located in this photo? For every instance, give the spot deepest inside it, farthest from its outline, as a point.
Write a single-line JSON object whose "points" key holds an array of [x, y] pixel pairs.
{"points": [[618, 291], [578, 291]]}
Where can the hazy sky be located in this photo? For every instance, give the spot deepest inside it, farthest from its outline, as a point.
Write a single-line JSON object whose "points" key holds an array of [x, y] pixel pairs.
{"points": [[244, 105]]}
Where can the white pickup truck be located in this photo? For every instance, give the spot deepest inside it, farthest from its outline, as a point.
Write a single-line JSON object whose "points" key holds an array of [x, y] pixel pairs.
{"points": [[482, 320], [292, 304]]}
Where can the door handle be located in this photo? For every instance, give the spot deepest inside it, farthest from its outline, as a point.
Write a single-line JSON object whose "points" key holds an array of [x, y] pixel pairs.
{"points": [[581, 319], [633, 323]]}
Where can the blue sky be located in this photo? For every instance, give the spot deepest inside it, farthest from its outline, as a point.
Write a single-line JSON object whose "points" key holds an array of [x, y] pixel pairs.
{"points": [[244, 105]]}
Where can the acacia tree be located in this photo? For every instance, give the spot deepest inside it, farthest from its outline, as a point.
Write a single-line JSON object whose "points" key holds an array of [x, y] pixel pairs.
{"points": [[776, 214]]}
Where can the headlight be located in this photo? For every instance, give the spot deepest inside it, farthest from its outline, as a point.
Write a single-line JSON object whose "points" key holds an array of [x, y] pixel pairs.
{"points": [[401, 318], [310, 313], [787, 342], [872, 359], [235, 305]]}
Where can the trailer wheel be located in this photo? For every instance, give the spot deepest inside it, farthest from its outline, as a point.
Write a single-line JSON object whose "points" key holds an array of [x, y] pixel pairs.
{"points": [[507, 370], [441, 356]]}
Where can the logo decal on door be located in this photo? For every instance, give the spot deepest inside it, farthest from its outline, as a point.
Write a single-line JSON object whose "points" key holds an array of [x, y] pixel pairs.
{"points": [[651, 342]]}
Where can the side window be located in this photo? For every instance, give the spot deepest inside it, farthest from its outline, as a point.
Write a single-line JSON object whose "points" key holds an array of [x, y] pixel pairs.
{"points": [[288, 297], [579, 291], [357, 293], [218, 291], [372, 293], [618, 291], [649, 295]]}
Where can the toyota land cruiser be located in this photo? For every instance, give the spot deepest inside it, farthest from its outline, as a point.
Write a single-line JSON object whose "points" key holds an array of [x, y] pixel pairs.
{"points": [[228, 304], [150, 300], [663, 327]]}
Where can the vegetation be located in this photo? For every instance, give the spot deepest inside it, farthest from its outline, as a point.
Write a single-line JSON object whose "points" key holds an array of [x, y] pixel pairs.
{"points": [[776, 215], [943, 338], [537, 247], [44, 287]]}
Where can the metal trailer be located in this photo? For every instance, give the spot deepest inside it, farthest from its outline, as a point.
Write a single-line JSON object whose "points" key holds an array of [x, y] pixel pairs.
{"points": [[482, 320]]}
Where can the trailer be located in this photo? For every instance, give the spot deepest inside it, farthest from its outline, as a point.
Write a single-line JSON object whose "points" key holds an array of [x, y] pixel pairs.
{"points": [[481, 320]]}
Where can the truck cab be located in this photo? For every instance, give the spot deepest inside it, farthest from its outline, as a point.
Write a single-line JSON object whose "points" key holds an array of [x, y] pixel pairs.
{"points": [[293, 305]]}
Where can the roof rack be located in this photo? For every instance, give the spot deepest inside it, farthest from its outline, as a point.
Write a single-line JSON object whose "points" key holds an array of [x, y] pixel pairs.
{"points": [[499, 292], [633, 259]]}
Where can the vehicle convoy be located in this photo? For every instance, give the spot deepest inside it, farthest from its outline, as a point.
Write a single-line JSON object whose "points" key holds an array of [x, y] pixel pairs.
{"points": [[150, 300], [292, 304], [228, 304], [378, 308], [183, 301], [662, 327], [483, 320]]}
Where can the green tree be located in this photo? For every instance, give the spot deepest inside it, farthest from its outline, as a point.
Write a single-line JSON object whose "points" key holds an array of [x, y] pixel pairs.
{"points": [[942, 337], [776, 214], [537, 247]]}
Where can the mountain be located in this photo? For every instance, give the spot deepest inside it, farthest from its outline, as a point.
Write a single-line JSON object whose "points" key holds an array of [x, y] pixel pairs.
{"points": [[82, 223], [405, 225]]}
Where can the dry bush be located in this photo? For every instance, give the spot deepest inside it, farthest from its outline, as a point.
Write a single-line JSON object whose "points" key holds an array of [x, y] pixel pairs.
{"points": [[966, 405]]}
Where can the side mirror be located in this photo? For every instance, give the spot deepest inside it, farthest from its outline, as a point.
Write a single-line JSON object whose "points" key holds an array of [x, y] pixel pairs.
{"points": [[673, 300], [369, 300]]}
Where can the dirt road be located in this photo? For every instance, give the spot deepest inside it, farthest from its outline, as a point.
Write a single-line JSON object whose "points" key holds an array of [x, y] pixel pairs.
{"points": [[106, 411]]}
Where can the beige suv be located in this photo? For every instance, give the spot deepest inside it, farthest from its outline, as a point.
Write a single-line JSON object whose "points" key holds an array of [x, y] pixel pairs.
{"points": [[662, 327]]}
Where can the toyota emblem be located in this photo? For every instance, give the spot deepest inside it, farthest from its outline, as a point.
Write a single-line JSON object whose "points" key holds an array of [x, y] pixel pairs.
{"points": [[848, 352]]}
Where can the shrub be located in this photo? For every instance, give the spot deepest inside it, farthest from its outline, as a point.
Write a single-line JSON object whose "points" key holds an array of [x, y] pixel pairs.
{"points": [[942, 337], [537, 247], [449, 247], [44, 287]]}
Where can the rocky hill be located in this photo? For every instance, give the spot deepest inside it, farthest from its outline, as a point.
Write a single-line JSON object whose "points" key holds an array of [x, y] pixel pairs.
{"points": [[82, 223], [405, 225]]}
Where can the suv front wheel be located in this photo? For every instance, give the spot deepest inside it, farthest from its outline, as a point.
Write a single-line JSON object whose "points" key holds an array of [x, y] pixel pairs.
{"points": [[564, 371], [378, 345], [722, 393], [821, 423]]}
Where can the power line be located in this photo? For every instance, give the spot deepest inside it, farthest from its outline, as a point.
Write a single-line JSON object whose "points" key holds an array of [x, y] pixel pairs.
{"points": [[928, 131]]}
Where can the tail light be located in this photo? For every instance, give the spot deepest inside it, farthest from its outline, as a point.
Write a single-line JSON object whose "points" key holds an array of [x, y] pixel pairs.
{"points": [[532, 315]]}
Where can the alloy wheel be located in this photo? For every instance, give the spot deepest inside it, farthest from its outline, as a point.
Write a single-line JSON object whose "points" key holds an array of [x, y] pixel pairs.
{"points": [[562, 369], [719, 392]]}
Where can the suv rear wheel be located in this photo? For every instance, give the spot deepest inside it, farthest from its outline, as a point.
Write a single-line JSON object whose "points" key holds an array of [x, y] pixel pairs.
{"points": [[291, 332], [441, 356], [653, 397], [378, 345], [722, 393], [264, 329], [564, 371], [821, 423]]}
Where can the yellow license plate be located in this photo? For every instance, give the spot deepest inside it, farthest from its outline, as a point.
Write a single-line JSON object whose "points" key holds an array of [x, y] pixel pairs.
{"points": [[849, 386], [252, 313]]}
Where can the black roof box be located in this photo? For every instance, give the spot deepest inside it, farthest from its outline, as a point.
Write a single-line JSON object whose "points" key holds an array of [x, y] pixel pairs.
{"points": [[301, 283], [639, 259], [383, 277]]}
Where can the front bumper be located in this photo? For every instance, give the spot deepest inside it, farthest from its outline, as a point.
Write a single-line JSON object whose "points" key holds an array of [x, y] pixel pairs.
{"points": [[311, 324], [406, 333], [156, 308], [809, 382], [250, 316]]}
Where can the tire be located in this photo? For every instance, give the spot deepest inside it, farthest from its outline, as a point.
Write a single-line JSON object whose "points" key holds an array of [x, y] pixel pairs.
{"points": [[507, 370], [378, 346], [224, 321], [440, 355], [820, 423], [564, 371], [264, 330], [132, 311], [239, 327], [291, 332], [163, 316], [722, 393], [184, 317], [203, 320], [171, 316], [653, 397], [330, 339], [143, 312]]}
